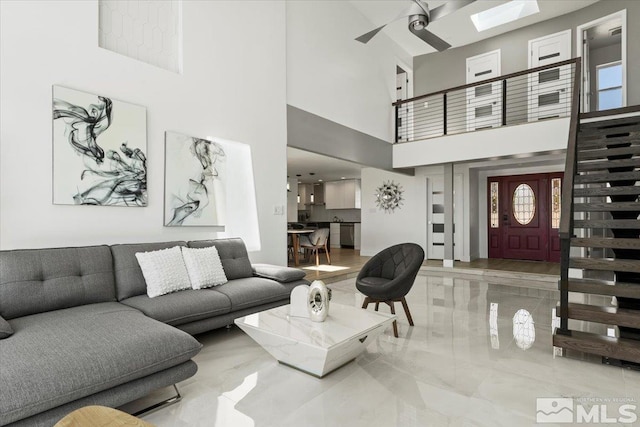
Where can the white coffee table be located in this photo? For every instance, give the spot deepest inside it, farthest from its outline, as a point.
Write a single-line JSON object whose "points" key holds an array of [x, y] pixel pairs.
{"points": [[316, 348]]}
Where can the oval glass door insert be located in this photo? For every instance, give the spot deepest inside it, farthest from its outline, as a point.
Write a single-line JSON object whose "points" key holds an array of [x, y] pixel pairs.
{"points": [[524, 204]]}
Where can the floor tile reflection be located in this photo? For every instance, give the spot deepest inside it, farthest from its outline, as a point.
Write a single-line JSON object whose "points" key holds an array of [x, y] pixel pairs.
{"points": [[479, 354]]}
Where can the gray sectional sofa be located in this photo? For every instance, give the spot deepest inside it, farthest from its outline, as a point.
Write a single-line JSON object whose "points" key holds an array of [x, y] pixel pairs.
{"points": [[79, 328]]}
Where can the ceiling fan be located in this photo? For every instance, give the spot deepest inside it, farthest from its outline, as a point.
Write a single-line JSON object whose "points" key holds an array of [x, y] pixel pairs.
{"points": [[419, 17]]}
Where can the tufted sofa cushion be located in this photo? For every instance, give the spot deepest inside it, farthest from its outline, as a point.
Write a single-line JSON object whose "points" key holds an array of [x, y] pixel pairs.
{"points": [[233, 254], [38, 280]]}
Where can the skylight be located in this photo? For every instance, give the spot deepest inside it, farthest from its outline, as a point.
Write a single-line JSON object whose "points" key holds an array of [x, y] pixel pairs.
{"points": [[505, 13]]}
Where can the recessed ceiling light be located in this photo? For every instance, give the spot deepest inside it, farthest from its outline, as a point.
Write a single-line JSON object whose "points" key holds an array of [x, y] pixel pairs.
{"points": [[503, 14], [319, 180], [298, 175], [343, 177]]}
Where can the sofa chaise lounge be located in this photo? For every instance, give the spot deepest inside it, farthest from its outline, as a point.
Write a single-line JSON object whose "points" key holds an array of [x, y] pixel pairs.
{"points": [[81, 330]]}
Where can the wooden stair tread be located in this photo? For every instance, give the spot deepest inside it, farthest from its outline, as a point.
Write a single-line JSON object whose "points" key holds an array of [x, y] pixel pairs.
{"points": [[604, 287], [606, 207], [606, 264], [603, 130], [599, 124], [603, 142], [617, 348], [605, 242], [603, 153], [607, 223], [605, 314], [608, 164], [607, 191], [607, 177]]}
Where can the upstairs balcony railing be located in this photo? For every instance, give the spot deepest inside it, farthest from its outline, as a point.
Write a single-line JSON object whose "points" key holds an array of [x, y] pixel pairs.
{"points": [[531, 95]]}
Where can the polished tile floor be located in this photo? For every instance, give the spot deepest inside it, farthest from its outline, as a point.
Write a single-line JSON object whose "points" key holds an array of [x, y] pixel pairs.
{"points": [[350, 262], [474, 357]]}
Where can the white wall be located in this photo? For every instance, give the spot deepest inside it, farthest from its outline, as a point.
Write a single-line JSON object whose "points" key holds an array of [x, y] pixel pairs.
{"points": [[233, 87], [407, 224], [332, 75], [538, 137]]}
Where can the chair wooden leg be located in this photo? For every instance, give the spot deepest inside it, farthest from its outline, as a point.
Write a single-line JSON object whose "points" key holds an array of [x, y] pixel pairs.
{"points": [[326, 252], [365, 303], [317, 256], [395, 323], [406, 310]]}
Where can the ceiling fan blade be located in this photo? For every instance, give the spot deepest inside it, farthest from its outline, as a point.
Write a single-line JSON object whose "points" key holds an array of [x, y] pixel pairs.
{"points": [[431, 39], [368, 36], [422, 6], [448, 7]]}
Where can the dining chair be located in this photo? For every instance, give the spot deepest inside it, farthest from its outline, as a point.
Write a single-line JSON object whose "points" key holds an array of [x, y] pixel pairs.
{"points": [[316, 241]]}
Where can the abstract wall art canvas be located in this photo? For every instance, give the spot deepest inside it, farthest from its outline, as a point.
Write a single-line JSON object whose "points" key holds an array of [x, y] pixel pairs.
{"points": [[99, 150], [195, 181]]}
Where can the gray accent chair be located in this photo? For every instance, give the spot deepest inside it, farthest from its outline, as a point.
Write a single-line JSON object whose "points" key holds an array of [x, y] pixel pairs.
{"points": [[389, 275], [316, 241], [77, 327]]}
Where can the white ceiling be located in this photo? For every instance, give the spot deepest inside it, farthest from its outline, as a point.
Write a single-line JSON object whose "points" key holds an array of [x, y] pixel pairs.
{"points": [[325, 168], [456, 28]]}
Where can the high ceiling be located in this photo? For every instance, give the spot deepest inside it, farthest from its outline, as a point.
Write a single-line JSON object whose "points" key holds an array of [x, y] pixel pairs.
{"points": [[456, 28]]}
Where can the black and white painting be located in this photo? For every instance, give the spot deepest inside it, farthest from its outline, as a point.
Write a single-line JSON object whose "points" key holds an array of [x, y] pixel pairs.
{"points": [[99, 150], [195, 181]]}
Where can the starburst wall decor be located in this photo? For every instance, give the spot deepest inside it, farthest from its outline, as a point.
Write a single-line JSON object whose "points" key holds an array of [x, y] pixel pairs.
{"points": [[389, 196]]}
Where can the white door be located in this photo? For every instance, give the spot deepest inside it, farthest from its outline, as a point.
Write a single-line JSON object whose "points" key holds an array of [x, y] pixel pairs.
{"points": [[550, 90], [484, 102], [435, 217]]}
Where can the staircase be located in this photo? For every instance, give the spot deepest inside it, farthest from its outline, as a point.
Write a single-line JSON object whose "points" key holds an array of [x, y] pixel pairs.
{"points": [[603, 207]]}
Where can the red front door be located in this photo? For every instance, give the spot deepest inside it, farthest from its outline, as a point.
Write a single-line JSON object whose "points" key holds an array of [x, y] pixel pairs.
{"points": [[524, 217]]}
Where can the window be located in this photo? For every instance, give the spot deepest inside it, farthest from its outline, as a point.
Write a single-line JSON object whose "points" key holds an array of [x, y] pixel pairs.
{"points": [[556, 202], [495, 217], [524, 204], [609, 85]]}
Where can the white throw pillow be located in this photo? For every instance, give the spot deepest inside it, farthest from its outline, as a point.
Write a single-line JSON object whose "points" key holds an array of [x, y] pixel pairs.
{"points": [[204, 267], [164, 271]]}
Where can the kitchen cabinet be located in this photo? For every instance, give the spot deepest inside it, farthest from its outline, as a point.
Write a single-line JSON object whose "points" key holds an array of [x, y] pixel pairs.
{"points": [[357, 232], [342, 194], [333, 194], [334, 234]]}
